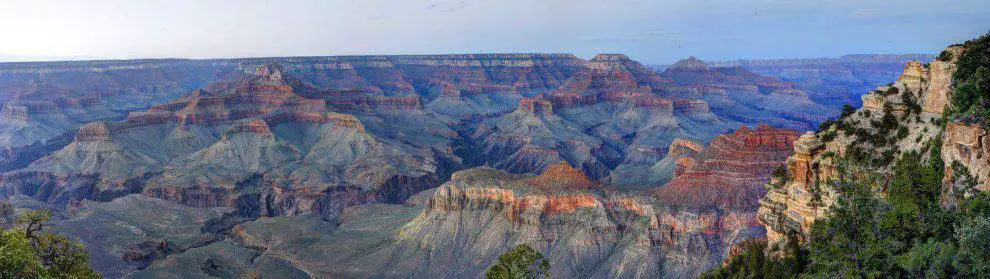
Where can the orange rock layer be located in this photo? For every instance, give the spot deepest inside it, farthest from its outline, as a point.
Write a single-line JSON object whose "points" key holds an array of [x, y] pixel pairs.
{"points": [[562, 176], [731, 172]]}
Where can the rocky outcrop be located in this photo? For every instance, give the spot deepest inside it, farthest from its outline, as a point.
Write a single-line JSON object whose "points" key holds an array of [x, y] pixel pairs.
{"points": [[964, 150], [535, 106], [533, 137], [691, 106], [562, 177], [690, 64], [936, 95], [573, 227], [912, 104], [790, 209], [730, 173]]}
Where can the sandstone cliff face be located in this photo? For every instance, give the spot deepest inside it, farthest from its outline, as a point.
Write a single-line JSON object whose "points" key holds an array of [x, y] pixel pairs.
{"points": [[730, 173], [913, 104], [455, 231], [482, 212], [966, 145], [724, 181], [789, 209]]}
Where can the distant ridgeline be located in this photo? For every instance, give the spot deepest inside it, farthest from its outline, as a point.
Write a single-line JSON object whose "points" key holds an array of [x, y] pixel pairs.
{"points": [[833, 82]]}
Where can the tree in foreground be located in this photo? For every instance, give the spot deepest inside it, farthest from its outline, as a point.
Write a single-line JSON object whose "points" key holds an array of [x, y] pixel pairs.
{"points": [[521, 262], [29, 251]]}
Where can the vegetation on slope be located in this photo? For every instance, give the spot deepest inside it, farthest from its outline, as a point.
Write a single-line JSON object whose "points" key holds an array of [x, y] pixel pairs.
{"points": [[29, 251], [523, 262], [971, 99], [872, 232]]}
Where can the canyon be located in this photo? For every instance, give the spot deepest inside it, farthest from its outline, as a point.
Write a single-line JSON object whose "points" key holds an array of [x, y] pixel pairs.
{"points": [[419, 166]]}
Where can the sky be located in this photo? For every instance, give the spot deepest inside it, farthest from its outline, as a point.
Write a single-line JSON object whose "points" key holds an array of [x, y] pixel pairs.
{"points": [[653, 32]]}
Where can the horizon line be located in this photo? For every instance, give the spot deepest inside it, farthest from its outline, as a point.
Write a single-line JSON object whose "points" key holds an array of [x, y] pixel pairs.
{"points": [[86, 59]]}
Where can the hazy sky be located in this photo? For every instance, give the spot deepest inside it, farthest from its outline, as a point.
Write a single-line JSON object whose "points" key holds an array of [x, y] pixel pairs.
{"points": [[649, 31]]}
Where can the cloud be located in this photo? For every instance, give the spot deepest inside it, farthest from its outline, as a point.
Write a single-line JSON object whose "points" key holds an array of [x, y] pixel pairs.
{"points": [[446, 7]]}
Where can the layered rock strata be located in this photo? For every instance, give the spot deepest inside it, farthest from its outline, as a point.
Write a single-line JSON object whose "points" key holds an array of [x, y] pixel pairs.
{"points": [[894, 119], [466, 223], [730, 173]]}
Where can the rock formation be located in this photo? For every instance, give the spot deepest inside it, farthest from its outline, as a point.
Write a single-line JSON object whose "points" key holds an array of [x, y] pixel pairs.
{"points": [[468, 222], [911, 105], [730, 173], [209, 148]]}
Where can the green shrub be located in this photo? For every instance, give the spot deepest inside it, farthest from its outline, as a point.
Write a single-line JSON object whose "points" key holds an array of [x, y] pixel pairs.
{"points": [[972, 81], [522, 262], [902, 132], [847, 110], [829, 136], [30, 251], [825, 125], [752, 262], [944, 56]]}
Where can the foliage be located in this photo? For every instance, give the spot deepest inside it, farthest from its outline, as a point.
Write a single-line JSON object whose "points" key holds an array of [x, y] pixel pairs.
{"points": [[900, 222], [853, 240], [779, 177], [974, 257], [17, 258], [902, 132], [753, 263], [911, 103], [829, 135], [521, 262], [944, 56], [886, 226], [825, 125], [972, 81], [31, 252], [975, 56], [972, 91], [847, 110], [888, 122]]}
